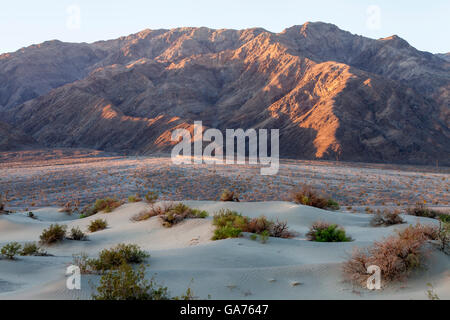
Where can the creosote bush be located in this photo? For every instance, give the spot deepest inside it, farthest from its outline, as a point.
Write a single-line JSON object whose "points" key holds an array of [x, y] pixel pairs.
{"points": [[77, 234], [228, 195], [125, 283], [308, 196], [386, 218], [97, 225], [53, 234], [170, 213], [325, 232], [107, 205], [397, 256], [230, 224], [32, 249], [10, 250], [115, 257]]}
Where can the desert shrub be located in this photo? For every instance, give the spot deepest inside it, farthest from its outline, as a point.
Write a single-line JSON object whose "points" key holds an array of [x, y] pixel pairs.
{"points": [[77, 234], [98, 224], [178, 212], [226, 232], [397, 256], [445, 218], [125, 283], [32, 249], [10, 250], [308, 196], [229, 224], [107, 205], [258, 225], [155, 210], [31, 215], [281, 230], [333, 205], [420, 210], [264, 236], [53, 234], [325, 232], [118, 255], [228, 195], [132, 199], [386, 218], [151, 197], [70, 207]]}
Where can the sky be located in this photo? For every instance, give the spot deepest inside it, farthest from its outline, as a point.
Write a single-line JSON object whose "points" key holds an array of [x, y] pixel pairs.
{"points": [[424, 24]]}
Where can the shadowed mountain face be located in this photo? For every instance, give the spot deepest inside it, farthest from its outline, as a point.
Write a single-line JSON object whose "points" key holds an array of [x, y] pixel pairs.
{"points": [[333, 95]]}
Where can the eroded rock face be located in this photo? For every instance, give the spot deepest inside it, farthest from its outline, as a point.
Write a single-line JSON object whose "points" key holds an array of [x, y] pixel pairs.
{"points": [[333, 95]]}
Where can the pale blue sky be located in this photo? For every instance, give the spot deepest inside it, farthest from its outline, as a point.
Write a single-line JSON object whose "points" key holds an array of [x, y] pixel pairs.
{"points": [[424, 24]]}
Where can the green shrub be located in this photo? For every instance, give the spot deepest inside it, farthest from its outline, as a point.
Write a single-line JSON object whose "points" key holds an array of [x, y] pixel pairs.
{"points": [[264, 236], [118, 255], [77, 234], [226, 232], [107, 205], [31, 215], [53, 234], [128, 284], [32, 249], [228, 195], [10, 250], [445, 218], [151, 197], [226, 217], [333, 205], [132, 199], [324, 232], [98, 224]]}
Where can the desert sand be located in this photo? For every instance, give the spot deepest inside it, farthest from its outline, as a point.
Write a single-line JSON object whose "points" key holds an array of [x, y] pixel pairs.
{"points": [[241, 268]]}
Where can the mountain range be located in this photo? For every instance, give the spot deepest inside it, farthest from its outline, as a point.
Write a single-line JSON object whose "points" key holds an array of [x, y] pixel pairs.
{"points": [[333, 95]]}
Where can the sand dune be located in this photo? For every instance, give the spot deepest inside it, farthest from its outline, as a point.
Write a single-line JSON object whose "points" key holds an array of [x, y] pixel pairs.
{"points": [[185, 256]]}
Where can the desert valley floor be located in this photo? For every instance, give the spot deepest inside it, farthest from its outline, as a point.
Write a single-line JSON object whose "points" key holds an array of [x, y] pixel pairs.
{"points": [[184, 255]]}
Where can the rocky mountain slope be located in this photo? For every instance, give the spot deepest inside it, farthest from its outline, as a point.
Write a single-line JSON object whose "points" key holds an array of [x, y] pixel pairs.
{"points": [[332, 94]]}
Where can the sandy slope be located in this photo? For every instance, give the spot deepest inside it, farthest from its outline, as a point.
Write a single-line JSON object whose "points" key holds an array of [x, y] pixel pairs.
{"points": [[238, 268]]}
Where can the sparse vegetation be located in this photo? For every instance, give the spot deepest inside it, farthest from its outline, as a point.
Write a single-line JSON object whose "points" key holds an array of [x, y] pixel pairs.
{"points": [[2, 203], [107, 205], [421, 210], [308, 196], [10, 250], [70, 207], [77, 234], [178, 213], [230, 224], [386, 218], [32, 249], [125, 283], [228, 195], [397, 256], [97, 225], [115, 257], [53, 234], [135, 198], [325, 232], [151, 197]]}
